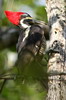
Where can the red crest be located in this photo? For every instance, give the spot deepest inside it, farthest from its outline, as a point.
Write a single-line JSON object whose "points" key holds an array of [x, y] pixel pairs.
{"points": [[14, 17]]}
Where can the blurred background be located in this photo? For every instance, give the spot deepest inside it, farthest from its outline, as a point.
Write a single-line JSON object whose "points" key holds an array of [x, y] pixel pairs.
{"points": [[27, 88]]}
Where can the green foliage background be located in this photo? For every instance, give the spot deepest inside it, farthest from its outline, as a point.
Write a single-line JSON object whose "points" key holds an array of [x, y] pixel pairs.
{"points": [[28, 88]]}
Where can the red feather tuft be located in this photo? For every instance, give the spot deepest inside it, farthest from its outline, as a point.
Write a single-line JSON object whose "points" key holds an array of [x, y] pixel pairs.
{"points": [[14, 17]]}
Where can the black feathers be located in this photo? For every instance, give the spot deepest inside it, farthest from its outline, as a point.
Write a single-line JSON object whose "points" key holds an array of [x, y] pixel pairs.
{"points": [[34, 39]]}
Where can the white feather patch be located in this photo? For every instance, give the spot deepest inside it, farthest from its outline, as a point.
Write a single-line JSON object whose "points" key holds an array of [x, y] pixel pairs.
{"points": [[22, 24], [26, 33]]}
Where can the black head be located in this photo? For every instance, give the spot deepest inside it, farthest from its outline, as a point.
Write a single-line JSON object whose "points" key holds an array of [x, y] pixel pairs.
{"points": [[26, 21]]}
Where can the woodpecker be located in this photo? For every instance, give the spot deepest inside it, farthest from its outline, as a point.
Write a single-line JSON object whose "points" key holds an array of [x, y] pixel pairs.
{"points": [[31, 42]]}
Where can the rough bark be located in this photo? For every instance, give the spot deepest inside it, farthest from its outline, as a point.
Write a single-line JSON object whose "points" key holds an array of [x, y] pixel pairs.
{"points": [[56, 10]]}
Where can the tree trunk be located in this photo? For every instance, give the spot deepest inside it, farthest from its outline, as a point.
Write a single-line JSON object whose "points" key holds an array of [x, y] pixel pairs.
{"points": [[56, 10]]}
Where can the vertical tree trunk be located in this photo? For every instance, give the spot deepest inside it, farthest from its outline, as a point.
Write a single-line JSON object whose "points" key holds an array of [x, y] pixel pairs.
{"points": [[56, 10]]}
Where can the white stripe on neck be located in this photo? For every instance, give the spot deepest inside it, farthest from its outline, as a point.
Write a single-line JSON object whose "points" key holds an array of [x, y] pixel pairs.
{"points": [[26, 33], [22, 24]]}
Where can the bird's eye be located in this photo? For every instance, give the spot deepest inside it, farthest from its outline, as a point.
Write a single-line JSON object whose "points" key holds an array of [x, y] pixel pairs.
{"points": [[25, 15]]}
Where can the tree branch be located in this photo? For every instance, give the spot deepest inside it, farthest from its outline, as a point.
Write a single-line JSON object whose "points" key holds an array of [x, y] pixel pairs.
{"points": [[2, 85]]}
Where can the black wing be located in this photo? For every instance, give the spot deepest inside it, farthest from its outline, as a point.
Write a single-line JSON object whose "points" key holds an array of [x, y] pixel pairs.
{"points": [[34, 40]]}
